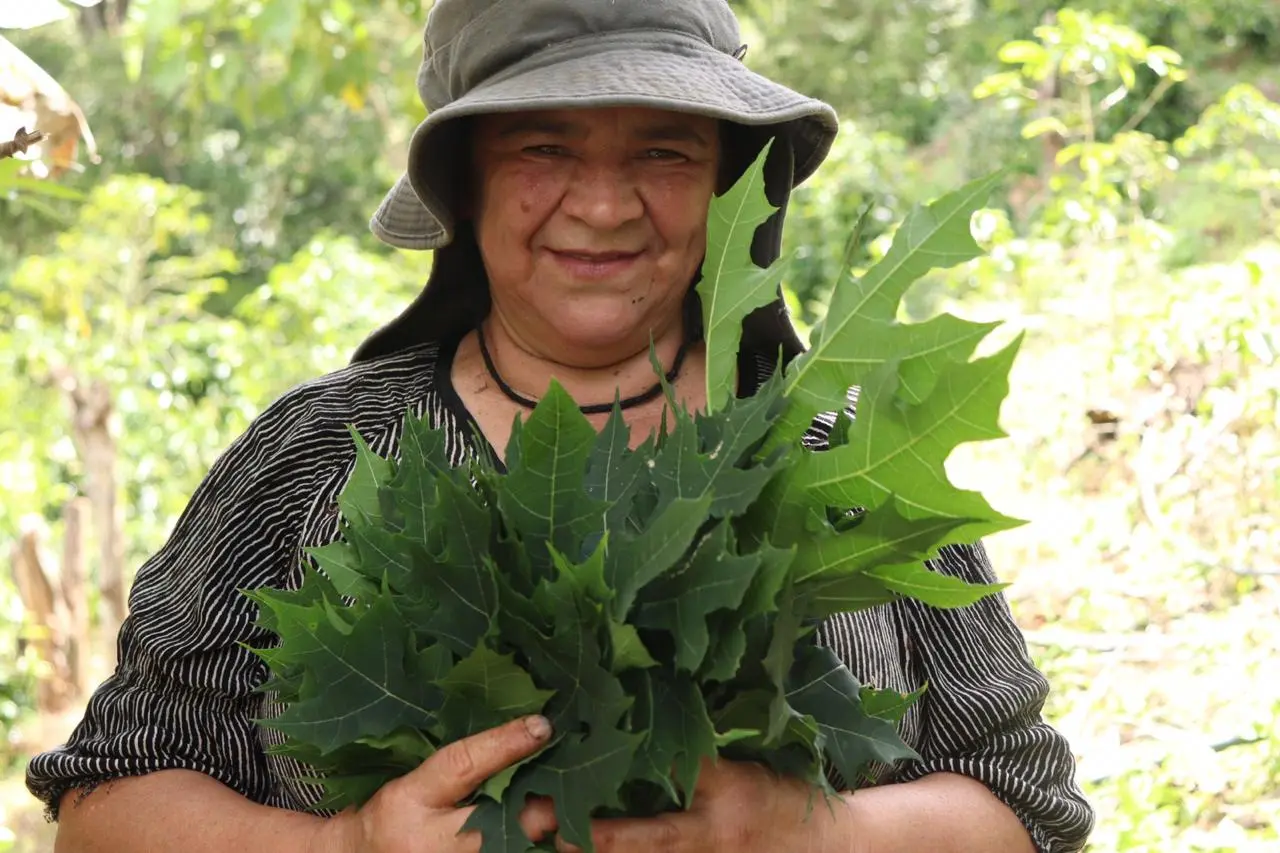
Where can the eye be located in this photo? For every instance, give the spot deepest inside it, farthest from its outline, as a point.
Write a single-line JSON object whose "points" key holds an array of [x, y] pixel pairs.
{"points": [[546, 150], [663, 154]]}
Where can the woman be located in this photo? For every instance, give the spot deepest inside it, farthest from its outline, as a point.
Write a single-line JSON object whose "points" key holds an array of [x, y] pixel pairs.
{"points": [[563, 178]]}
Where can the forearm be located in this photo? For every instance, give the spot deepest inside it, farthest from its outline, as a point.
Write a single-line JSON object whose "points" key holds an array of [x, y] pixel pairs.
{"points": [[180, 811], [942, 813]]}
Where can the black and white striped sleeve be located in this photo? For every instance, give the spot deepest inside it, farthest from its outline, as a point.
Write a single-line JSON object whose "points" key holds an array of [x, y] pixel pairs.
{"points": [[981, 713], [182, 695]]}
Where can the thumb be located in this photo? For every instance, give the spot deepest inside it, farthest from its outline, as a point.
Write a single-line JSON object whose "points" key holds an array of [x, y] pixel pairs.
{"points": [[455, 771]]}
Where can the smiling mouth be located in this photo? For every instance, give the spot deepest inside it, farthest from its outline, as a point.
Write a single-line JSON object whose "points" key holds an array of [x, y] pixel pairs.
{"points": [[597, 257], [596, 266]]}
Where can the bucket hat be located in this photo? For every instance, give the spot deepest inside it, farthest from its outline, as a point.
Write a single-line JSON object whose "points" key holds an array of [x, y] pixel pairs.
{"points": [[486, 56], [490, 56]]}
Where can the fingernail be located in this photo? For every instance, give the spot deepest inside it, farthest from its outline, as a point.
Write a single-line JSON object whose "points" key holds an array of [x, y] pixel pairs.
{"points": [[538, 726]]}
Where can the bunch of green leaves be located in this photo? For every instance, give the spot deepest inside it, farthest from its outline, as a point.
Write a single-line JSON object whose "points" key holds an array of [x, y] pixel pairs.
{"points": [[657, 604]]}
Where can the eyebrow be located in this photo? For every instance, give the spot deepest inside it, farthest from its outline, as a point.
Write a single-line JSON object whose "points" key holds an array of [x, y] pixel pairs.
{"points": [[665, 132], [673, 132]]}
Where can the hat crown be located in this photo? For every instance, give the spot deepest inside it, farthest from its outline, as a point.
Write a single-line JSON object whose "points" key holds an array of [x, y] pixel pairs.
{"points": [[468, 41]]}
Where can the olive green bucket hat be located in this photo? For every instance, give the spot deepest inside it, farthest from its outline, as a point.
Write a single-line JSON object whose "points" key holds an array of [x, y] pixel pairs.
{"points": [[491, 56]]}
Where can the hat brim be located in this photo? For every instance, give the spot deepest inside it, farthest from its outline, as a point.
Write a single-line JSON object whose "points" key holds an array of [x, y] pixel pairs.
{"points": [[657, 70]]}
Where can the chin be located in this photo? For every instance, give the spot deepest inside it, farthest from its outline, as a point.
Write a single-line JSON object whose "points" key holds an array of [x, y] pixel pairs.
{"points": [[601, 331]]}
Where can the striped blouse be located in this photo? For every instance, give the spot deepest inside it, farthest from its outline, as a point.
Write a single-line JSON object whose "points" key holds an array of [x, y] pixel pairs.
{"points": [[183, 693]]}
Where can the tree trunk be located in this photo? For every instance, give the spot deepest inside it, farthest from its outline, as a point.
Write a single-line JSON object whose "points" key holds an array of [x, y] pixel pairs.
{"points": [[107, 16], [91, 412], [47, 621], [75, 517]]}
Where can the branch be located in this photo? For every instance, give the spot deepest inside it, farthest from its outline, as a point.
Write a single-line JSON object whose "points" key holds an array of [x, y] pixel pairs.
{"points": [[21, 142], [1156, 94]]}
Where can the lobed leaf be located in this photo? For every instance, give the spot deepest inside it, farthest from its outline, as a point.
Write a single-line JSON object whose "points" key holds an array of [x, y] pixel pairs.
{"points": [[544, 494], [824, 689], [861, 331], [714, 578], [732, 286], [898, 450], [364, 680]]}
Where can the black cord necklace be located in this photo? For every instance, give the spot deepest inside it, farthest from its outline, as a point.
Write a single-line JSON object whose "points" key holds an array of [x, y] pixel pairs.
{"points": [[596, 408]]}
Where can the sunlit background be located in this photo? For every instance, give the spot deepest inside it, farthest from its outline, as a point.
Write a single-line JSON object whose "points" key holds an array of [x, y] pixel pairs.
{"points": [[190, 242]]}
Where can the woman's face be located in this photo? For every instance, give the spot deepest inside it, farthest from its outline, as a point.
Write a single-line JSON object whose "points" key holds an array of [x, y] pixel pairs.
{"points": [[592, 223]]}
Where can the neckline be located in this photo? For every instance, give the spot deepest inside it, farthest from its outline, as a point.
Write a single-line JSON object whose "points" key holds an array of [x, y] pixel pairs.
{"points": [[472, 435], [749, 381]]}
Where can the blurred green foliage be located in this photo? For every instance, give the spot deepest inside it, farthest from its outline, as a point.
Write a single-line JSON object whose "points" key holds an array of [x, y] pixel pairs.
{"points": [[218, 255]]}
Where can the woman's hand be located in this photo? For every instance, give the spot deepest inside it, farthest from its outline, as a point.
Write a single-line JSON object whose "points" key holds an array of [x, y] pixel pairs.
{"points": [[737, 808], [418, 813]]}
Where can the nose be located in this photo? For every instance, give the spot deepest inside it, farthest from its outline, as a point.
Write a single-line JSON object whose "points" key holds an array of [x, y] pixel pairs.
{"points": [[603, 195]]}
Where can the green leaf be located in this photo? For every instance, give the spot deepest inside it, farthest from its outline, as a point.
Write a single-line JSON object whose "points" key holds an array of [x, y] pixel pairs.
{"points": [[295, 616], [345, 790], [728, 645], [614, 473], [581, 775], [384, 554], [359, 500], [915, 580], [464, 605], [860, 331], [762, 596], [403, 746], [716, 456], [1127, 74], [714, 578], [634, 560], [824, 689], [364, 682], [461, 580], [732, 286], [10, 179], [628, 650], [670, 708], [543, 494], [732, 736], [1043, 125], [413, 489], [314, 589], [796, 748], [888, 704], [899, 450], [830, 592], [572, 664], [954, 340], [884, 535], [778, 662], [485, 690], [1022, 52], [576, 598], [340, 563], [499, 826]]}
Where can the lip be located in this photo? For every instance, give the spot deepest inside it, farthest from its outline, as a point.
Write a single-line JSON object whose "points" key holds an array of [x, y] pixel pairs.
{"points": [[595, 264]]}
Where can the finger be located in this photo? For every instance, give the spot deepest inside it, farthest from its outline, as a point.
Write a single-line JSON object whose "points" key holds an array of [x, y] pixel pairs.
{"points": [[538, 820], [455, 771]]}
